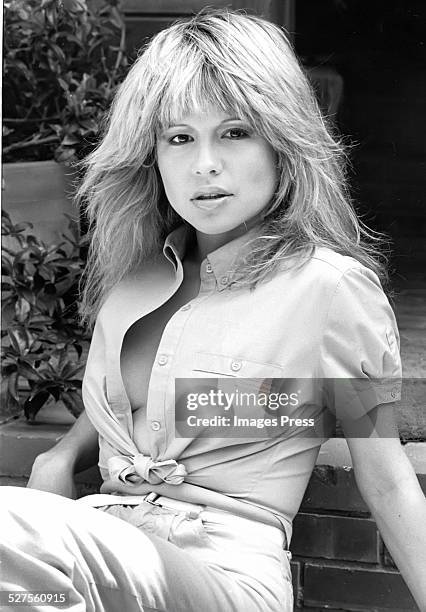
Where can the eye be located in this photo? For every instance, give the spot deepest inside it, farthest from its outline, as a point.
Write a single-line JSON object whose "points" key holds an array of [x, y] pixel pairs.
{"points": [[236, 133], [179, 139]]}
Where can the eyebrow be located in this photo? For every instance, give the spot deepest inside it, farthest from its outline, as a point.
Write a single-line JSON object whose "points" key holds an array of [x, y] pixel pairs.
{"points": [[186, 125]]}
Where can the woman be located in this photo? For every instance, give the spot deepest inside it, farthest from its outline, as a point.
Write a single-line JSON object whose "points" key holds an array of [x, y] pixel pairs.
{"points": [[223, 247]]}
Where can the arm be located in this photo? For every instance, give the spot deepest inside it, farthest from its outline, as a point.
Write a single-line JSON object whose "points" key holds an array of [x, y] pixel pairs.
{"points": [[78, 450], [389, 486]]}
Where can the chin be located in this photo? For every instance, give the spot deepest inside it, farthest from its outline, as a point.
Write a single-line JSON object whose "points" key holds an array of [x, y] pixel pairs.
{"points": [[214, 228]]}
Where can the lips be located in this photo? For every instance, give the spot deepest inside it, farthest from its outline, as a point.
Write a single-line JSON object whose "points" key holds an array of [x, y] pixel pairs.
{"points": [[210, 194]]}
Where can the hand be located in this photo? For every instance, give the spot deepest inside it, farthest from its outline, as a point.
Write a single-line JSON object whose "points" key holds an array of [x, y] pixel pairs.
{"points": [[53, 473]]}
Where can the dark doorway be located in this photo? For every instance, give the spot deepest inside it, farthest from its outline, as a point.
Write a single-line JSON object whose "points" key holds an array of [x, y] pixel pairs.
{"points": [[379, 49]]}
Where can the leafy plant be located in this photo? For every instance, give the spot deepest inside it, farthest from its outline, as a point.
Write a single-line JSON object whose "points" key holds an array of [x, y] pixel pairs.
{"points": [[62, 63], [43, 345]]}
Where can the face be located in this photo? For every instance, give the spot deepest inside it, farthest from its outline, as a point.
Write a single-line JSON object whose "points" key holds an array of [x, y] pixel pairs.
{"points": [[218, 173]]}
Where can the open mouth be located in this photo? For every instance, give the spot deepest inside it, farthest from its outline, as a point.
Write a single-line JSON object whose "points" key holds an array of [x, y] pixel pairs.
{"points": [[210, 197], [216, 196]]}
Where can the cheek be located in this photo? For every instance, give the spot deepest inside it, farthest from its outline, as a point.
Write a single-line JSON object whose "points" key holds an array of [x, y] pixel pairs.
{"points": [[170, 176], [263, 173]]}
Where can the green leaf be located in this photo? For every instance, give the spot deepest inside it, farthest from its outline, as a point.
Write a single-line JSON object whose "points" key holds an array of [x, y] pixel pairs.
{"points": [[28, 371], [75, 6], [21, 227], [64, 155], [71, 369], [6, 266], [78, 348], [33, 404], [22, 309], [60, 54], [40, 320], [70, 140], [47, 272], [26, 294], [73, 402], [12, 404], [12, 386], [20, 339], [77, 383]]}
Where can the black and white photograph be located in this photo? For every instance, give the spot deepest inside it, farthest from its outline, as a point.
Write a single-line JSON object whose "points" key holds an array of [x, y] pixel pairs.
{"points": [[213, 334]]}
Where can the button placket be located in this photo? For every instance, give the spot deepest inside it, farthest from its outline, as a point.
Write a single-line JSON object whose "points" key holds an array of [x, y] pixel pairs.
{"points": [[159, 422], [155, 414]]}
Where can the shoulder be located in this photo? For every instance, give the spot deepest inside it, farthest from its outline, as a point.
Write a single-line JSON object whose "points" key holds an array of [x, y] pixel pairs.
{"points": [[326, 271], [334, 264], [351, 285], [345, 272]]}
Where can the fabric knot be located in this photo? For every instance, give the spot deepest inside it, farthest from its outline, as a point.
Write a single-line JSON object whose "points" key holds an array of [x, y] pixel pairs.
{"points": [[142, 467]]}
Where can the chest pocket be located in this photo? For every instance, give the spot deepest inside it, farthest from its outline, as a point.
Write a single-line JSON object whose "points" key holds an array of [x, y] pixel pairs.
{"points": [[212, 364]]}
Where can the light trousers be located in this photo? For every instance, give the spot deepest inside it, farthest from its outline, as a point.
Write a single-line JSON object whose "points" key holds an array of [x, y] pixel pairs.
{"points": [[155, 559]]}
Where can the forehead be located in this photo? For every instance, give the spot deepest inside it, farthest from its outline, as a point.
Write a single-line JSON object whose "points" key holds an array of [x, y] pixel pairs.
{"points": [[197, 111], [203, 94], [205, 116]]}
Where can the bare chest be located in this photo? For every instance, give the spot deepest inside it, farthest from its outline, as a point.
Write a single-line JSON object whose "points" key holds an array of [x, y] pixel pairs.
{"points": [[141, 342]]}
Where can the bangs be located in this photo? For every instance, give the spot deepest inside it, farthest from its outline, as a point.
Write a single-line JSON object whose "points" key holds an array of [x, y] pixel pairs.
{"points": [[194, 86]]}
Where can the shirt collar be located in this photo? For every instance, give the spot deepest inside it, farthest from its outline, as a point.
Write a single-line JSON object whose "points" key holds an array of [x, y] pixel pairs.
{"points": [[222, 260], [176, 242]]}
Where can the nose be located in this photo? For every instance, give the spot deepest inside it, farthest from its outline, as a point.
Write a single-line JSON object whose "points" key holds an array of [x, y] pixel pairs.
{"points": [[207, 161]]}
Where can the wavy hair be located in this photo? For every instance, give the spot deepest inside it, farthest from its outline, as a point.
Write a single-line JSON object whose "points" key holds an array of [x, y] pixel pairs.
{"points": [[244, 65]]}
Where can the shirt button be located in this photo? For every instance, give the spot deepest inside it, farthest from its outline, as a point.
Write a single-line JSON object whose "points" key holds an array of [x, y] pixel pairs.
{"points": [[155, 425], [236, 365], [162, 360], [394, 392], [209, 268], [224, 280], [186, 307]]}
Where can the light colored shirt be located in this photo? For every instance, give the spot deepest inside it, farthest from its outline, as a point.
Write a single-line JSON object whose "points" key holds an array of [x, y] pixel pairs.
{"points": [[327, 319]]}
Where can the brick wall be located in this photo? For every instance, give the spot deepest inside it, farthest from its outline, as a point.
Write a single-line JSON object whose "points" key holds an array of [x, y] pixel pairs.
{"points": [[339, 559]]}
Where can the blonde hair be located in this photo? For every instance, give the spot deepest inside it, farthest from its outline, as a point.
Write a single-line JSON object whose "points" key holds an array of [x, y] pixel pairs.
{"points": [[245, 65]]}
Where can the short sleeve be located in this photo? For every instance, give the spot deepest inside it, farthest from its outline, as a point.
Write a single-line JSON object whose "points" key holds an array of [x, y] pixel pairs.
{"points": [[359, 355]]}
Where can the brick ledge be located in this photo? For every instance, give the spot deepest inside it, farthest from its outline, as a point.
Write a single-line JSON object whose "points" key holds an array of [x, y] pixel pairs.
{"points": [[336, 453]]}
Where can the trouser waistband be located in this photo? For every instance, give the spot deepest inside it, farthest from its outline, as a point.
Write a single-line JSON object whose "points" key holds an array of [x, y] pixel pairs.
{"points": [[192, 511]]}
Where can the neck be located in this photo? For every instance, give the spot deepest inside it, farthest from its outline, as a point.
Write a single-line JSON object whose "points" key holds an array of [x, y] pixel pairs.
{"points": [[207, 243]]}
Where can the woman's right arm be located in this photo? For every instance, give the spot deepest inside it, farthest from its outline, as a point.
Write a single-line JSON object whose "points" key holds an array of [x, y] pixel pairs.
{"points": [[54, 470]]}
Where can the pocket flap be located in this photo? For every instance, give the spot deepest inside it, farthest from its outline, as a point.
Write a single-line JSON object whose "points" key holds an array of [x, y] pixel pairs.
{"points": [[225, 365]]}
